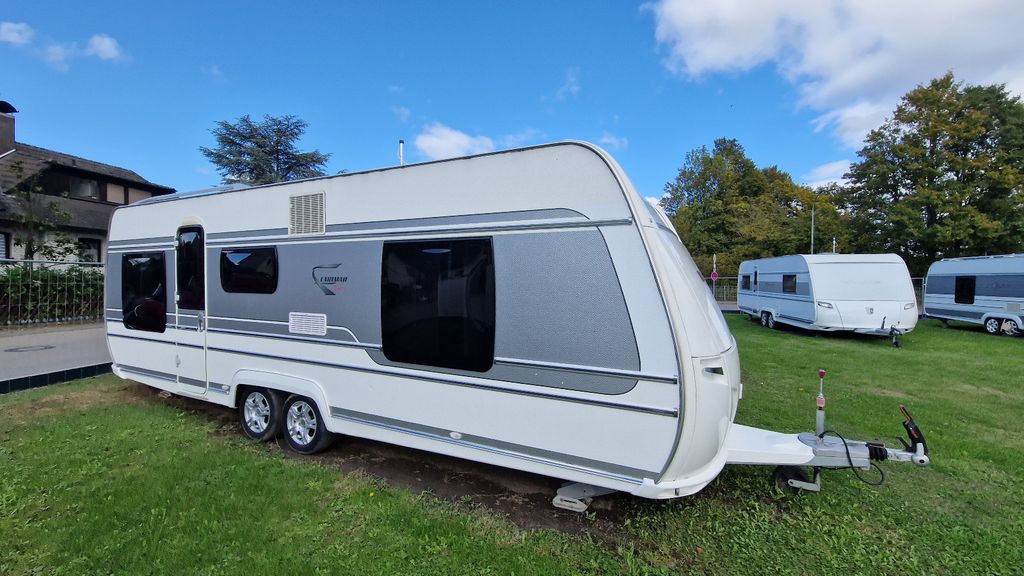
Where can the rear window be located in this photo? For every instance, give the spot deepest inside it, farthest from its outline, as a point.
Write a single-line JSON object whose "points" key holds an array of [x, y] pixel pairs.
{"points": [[144, 291]]}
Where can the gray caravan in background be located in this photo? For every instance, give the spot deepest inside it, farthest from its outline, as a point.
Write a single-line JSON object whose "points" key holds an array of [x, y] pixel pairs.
{"points": [[986, 290]]}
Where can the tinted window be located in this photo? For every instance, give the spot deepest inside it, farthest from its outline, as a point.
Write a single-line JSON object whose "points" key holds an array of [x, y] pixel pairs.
{"points": [[143, 292], [437, 303], [963, 292], [191, 289], [755, 277], [746, 281], [789, 283], [249, 270]]}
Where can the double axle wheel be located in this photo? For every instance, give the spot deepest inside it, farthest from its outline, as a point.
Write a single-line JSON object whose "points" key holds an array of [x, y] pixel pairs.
{"points": [[263, 416]]}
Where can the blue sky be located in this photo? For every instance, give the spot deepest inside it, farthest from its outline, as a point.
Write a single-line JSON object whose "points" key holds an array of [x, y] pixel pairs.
{"points": [[797, 82]]}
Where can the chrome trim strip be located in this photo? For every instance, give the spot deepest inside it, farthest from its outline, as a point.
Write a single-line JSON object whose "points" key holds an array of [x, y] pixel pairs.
{"points": [[424, 231], [192, 382], [349, 343], [538, 455], [674, 413], [219, 388], [171, 342], [586, 369], [149, 373], [141, 242]]}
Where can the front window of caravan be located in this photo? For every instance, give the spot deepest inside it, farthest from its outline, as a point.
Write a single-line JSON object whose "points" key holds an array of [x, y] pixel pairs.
{"points": [[143, 292], [437, 303], [862, 281]]}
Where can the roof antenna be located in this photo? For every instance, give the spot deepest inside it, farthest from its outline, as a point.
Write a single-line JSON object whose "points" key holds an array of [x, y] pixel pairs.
{"points": [[401, 152]]}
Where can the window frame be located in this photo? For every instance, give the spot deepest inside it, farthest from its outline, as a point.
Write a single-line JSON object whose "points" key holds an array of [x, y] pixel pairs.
{"points": [[128, 307], [474, 350], [226, 264], [959, 296], [791, 280]]}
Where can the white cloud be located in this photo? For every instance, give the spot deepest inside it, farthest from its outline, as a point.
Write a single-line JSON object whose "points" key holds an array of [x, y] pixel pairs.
{"points": [[402, 113], [438, 141], [829, 173], [16, 33], [571, 87], [613, 142], [59, 55], [104, 47], [850, 59], [213, 71]]}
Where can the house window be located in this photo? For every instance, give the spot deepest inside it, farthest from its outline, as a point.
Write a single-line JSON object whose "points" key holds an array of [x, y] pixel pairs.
{"points": [[191, 279], [249, 270], [437, 303], [89, 249], [84, 188], [143, 295], [789, 283], [746, 282], [5, 239], [963, 290]]}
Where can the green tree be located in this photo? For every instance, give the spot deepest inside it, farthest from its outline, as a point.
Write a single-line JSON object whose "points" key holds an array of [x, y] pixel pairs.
{"points": [[943, 177], [264, 152], [38, 223], [722, 204]]}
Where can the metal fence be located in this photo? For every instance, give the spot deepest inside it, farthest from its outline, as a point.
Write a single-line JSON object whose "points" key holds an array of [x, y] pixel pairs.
{"points": [[724, 289], [34, 292]]}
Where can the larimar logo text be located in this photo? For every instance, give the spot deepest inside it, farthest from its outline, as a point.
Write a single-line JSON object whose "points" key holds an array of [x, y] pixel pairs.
{"points": [[329, 278]]}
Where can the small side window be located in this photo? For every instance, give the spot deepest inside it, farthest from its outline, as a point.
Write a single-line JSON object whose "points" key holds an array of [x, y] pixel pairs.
{"points": [[789, 283], [755, 277], [746, 282], [143, 291], [963, 290], [249, 270]]}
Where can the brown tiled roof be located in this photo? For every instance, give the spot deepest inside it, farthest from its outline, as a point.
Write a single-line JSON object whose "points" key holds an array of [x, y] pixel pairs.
{"points": [[35, 159]]}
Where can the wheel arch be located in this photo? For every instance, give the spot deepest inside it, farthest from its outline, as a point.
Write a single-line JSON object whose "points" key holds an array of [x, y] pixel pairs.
{"points": [[282, 383]]}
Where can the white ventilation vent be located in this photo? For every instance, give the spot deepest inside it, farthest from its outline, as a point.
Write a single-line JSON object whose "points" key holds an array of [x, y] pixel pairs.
{"points": [[306, 214], [310, 324]]}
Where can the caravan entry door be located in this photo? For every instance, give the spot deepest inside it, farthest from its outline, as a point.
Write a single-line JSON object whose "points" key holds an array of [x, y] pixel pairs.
{"points": [[190, 298]]}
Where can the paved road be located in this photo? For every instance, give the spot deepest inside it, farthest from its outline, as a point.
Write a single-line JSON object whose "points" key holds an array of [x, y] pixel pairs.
{"points": [[31, 351]]}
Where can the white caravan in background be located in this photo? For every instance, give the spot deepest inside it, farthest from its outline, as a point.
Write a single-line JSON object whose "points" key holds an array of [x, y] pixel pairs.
{"points": [[986, 290], [525, 309], [865, 293]]}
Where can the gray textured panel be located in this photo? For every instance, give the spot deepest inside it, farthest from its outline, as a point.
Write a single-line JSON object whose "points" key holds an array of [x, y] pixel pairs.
{"points": [[940, 284], [559, 300], [535, 376], [112, 282], [148, 372], [135, 241], [802, 288], [336, 335], [956, 313], [355, 306], [633, 474]]}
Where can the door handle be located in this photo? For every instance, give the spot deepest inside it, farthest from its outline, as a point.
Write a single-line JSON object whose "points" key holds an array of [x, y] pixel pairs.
{"points": [[201, 322]]}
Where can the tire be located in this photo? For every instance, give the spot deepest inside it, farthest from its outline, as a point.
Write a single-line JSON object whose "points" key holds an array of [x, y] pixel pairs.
{"points": [[304, 427], [783, 474], [771, 322], [1014, 328], [994, 326], [259, 413], [764, 318]]}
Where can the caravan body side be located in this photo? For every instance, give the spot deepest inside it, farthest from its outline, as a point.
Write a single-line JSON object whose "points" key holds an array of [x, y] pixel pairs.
{"points": [[867, 293], [611, 364], [976, 289]]}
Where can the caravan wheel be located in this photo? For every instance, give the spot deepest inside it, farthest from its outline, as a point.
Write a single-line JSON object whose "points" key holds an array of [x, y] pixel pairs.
{"points": [[769, 320], [994, 326], [1014, 328], [304, 427], [764, 318], [259, 412]]}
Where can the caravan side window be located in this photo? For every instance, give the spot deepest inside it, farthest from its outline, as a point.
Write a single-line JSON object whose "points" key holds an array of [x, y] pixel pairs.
{"points": [[437, 303], [249, 270], [789, 283], [963, 290], [143, 291], [746, 282]]}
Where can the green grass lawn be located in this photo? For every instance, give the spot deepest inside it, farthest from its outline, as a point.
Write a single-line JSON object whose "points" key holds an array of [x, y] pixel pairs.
{"points": [[97, 478]]}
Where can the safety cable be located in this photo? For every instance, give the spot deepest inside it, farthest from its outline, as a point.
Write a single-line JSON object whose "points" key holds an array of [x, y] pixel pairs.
{"points": [[849, 458]]}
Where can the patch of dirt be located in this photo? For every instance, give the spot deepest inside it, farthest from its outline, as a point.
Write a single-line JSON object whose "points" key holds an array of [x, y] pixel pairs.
{"points": [[521, 497], [106, 394]]}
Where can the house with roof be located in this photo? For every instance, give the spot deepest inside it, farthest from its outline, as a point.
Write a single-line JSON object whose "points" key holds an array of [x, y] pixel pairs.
{"points": [[88, 191]]}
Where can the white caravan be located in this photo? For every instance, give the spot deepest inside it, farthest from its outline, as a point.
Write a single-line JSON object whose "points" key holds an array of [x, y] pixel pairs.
{"points": [[866, 293], [525, 308], [986, 290]]}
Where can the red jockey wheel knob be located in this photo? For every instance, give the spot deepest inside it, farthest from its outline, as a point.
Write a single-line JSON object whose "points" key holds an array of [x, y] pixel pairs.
{"points": [[821, 373]]}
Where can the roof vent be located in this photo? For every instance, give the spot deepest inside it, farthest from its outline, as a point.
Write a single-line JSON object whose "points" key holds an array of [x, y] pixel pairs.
{"points": [[306, 214]]}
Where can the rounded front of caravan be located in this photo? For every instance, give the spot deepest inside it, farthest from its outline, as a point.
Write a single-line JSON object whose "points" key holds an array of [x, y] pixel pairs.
{"points": [[301, 423], [257, 412]]}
